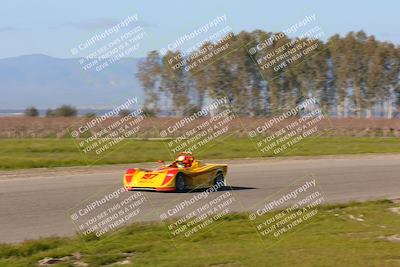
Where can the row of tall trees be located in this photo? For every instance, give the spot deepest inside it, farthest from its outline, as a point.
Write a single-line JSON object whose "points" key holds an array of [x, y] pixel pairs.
{"points": [[354, 75]]}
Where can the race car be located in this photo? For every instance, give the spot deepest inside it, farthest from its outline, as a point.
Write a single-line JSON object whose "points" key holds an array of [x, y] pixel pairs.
{"points": [[185, 173]]}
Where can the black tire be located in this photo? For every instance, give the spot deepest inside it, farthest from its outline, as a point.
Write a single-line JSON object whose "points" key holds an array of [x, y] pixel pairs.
{"points": [[219, 181], [180, 183]]}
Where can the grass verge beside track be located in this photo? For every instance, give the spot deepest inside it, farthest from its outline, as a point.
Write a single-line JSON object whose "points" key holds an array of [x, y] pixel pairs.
{"points": [[355, 234], [36, 153]]}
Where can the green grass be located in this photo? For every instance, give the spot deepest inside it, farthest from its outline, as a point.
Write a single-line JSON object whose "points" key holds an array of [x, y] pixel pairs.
{"points": [[36, 153], [332, 238]]}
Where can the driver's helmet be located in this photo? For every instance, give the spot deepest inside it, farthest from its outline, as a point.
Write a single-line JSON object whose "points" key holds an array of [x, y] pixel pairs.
{"points": [[184, 161]]}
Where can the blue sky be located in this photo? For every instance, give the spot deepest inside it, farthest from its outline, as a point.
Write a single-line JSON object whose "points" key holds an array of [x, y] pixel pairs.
{"points": [[54, 27]]}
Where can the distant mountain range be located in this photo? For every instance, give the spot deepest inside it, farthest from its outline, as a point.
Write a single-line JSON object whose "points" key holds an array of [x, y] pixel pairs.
{"points": [[48, 82]]}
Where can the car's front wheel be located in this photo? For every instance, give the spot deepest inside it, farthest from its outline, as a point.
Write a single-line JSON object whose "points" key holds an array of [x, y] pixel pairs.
{"points": [[180, 183]]}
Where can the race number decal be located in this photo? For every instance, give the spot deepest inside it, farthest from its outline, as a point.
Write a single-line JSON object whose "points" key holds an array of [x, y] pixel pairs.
{"points": [[149, 176]]}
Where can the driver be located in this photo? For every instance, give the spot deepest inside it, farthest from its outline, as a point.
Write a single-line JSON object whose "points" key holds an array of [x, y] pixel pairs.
{"points": [[184, 161]]}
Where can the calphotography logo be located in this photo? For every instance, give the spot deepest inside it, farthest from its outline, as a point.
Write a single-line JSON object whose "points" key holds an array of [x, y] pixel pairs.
{"points": [[110, 130], [275, 53], [202, 212], [286, 131], [288, 210], [113, 44], [108, 212], [196, 49], [201, 129]]}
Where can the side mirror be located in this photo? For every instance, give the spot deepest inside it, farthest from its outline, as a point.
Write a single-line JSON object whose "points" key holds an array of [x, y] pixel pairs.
{"points": [[161, 161]]}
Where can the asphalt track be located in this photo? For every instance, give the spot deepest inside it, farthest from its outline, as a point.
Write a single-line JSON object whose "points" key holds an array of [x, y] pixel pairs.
{"points": [[39, 203]]}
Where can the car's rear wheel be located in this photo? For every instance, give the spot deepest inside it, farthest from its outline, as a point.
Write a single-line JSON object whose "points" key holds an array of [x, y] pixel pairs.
{"points": [[219, 181], [180, 183]]}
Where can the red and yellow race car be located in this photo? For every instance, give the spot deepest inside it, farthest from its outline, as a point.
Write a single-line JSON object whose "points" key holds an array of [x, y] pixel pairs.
{"points": [[185, 173]]}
